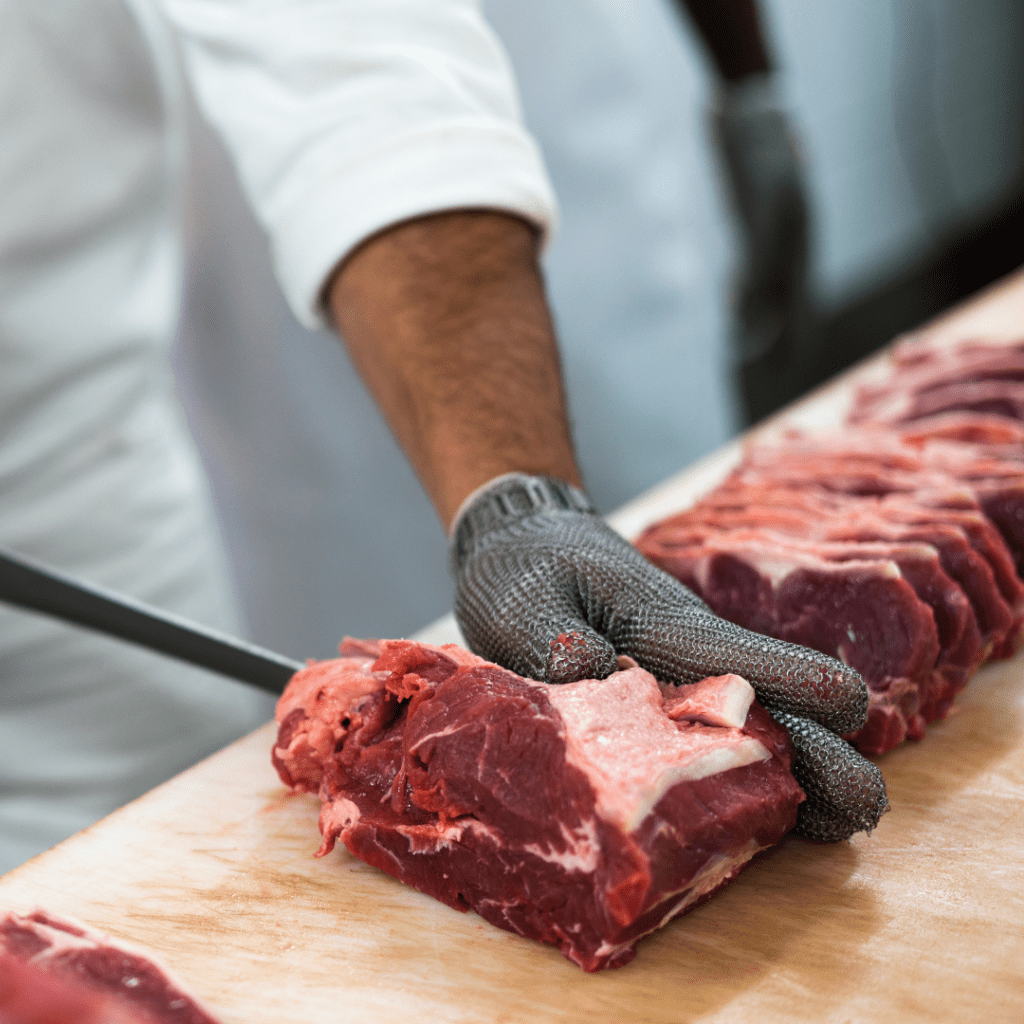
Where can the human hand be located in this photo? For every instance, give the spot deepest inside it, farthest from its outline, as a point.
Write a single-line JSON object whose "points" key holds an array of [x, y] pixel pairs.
{"points": [[547, 589]]}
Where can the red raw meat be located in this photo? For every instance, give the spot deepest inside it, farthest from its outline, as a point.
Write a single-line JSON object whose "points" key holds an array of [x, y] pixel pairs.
{"points": [[963, 645], [953, 481], [972, 377], [870, 605], [973, 428], [995, 474], [584, 815], [875, 462], [973, 553], [57, 971]]}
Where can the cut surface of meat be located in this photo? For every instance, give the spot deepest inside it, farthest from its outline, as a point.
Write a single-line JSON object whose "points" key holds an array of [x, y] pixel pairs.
{"points": [[584, 815], [53, 969], [932, 473], [973, 428], [973, 376], [871, 463], [929, 556], [876, 607]]}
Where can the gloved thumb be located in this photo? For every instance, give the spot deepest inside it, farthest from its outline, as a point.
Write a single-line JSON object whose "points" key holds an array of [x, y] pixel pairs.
{"points": [[541, 635], [579, 652]]}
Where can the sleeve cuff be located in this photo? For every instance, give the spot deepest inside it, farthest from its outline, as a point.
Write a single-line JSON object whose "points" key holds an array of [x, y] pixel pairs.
{"points": [[455, 165]]}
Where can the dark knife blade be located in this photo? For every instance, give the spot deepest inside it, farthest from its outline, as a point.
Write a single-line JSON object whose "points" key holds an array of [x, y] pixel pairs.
{"points": [[29, 584]]}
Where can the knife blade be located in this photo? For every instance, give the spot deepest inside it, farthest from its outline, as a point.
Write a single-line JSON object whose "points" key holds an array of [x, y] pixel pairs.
{"points": [[28, 584]]}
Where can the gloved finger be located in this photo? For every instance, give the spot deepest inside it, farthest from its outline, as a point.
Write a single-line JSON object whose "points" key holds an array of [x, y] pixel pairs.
{"points": [[845, 791], [556, 651], [686, 642], [579, 653], [537, 631]]}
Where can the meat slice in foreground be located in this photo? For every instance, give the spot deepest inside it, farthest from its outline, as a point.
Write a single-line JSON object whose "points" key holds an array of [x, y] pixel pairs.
{"points": [[57, 971], [584, 815]]}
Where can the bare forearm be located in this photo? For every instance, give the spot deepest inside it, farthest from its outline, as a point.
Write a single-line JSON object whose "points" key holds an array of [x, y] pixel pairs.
{"points": [[446, 320]]}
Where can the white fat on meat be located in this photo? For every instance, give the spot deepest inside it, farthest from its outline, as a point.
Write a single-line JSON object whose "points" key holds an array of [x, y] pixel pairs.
{"points": [[336, 815], [618, 733], [582, 849], [719, 700], [777, 566]]}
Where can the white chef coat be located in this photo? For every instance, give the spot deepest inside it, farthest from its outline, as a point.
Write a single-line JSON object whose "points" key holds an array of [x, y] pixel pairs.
{"points": [[343, 116]]}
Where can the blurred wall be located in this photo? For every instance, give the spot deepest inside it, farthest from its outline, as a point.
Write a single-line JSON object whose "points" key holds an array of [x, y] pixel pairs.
{"points": [[910, 115]]}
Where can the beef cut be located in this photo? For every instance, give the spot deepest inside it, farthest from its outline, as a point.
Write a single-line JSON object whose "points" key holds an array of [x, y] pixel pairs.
{"points": [[877, 607], [932, 465], [57, 971], [583, 815], [926, 380], [972, 550]]}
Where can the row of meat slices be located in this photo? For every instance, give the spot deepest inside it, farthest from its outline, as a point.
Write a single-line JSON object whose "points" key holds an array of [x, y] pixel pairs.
{"points": [[896, 544]]}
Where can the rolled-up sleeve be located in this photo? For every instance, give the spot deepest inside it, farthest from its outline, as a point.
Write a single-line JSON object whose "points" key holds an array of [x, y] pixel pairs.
{"points": [[346, 116]]}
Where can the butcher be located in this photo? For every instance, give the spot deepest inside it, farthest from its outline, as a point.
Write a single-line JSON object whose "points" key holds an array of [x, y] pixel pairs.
{"points": [[381, 147]]}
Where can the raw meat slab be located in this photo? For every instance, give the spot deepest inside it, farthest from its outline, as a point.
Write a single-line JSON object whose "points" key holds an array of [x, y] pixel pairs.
{"points": [[585, 815]]}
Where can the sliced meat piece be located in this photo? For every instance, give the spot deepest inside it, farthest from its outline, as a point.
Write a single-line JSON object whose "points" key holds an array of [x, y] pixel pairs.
{"points": [[996, 397], [1003, 503], [862, 611], [29, 995], [974, 428], [53, 969], [934, 455], [987, 541], [926, 380], [857, 477], [854, 474], [970, 549], [996, 476], [920, 352], [584, 815], [960, 645]]}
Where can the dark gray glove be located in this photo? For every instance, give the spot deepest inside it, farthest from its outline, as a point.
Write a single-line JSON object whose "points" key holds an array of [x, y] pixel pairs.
{"points": [[547, 589]]}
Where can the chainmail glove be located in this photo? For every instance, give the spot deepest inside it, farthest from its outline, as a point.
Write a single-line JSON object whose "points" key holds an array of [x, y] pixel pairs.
{"points": [[544, 587]]}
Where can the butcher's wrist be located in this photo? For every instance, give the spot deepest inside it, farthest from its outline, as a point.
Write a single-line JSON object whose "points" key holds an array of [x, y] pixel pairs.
{"points": [[505, 499]]}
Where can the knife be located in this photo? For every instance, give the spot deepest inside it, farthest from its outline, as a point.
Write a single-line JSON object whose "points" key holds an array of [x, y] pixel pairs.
{"points": [[29, 584]]}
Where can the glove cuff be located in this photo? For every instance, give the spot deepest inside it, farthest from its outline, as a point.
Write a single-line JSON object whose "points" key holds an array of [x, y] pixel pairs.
{"points": [[507, 498]]}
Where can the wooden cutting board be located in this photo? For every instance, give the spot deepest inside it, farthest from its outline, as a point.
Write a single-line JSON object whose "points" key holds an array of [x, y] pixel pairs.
{"points": [[921, 921]]}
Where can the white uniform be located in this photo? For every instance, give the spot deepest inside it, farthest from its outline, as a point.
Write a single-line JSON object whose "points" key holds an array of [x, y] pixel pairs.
{"points": [[343, 116]]}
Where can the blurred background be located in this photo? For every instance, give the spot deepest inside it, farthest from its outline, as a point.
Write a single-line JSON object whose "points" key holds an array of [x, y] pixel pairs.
{"points": [[909, 115]]}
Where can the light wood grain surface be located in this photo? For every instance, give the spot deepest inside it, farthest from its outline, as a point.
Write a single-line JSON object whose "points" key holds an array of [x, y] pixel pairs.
{"points": [[921, 921]]}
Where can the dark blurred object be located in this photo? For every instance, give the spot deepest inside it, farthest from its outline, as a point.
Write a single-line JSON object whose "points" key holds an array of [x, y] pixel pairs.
{"points": [[964, 249], [761, 170], [941, 70], [761, 173]]}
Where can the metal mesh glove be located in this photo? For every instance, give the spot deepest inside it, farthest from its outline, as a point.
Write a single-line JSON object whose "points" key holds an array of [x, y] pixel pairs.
{"points": [[548, 590], [845, 791]]}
